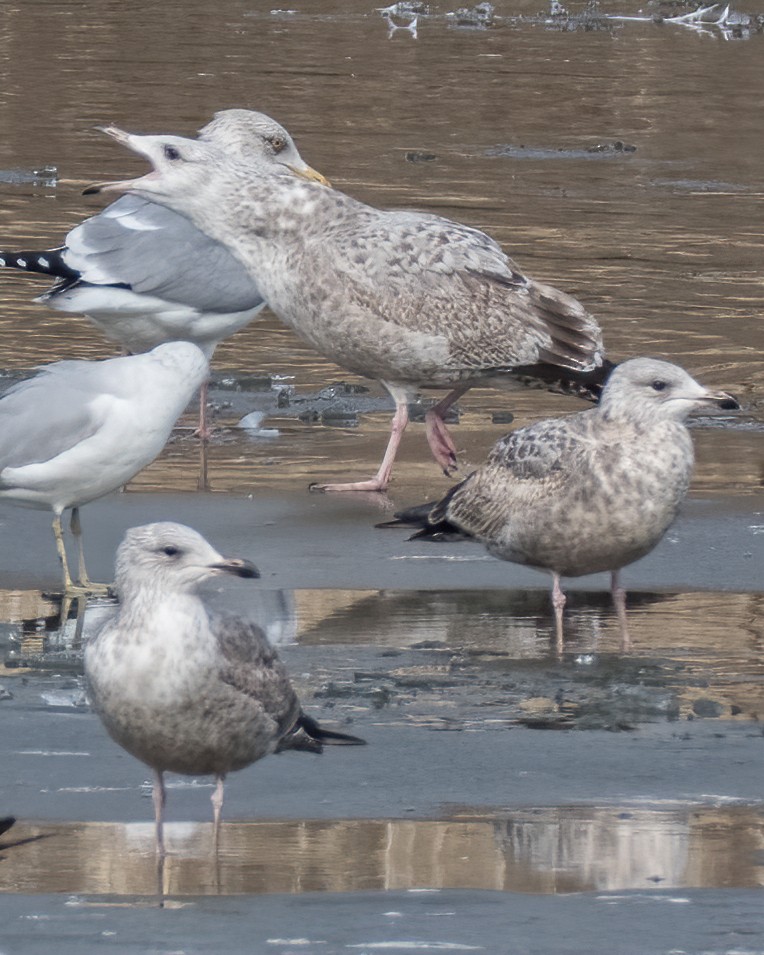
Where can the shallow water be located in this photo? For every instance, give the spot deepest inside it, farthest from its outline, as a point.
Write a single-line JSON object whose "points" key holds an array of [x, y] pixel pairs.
{"points": [[547, 851]]}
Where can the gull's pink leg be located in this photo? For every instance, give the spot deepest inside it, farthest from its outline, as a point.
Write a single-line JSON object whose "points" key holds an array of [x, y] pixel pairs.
{"points": [[558, 602], [619, 602], [217, 807], [203, 432], [381, 479], [158, 796], [438, 437]]}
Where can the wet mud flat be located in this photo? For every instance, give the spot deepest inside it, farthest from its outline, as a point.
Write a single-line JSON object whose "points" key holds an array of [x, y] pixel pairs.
{"points": [[509, 799]]}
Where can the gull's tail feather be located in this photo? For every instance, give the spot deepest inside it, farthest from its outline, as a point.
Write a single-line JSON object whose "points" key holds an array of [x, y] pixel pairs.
{"points": [[581, 384], [430, 521], [308, 736], [50, 262]]}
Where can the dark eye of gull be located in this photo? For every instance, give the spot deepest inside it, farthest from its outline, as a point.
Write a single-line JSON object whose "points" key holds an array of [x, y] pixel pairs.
{"points": [[276, 143], [171, 551], [171, 153], [659, 385]]}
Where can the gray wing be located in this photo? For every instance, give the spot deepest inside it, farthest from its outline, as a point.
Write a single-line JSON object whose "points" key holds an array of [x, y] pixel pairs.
{"points": [[155, 251], [46, 415], [432, 275], [253, 667], [522, 468]]}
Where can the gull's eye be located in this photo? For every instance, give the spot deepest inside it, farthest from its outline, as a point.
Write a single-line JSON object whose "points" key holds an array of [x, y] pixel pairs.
{"points": [[171, 551], [659, 385], [277, 143], [171, 153]]}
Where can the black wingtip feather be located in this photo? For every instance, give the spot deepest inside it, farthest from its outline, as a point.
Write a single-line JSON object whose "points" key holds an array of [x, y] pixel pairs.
{"points": [[49, 262], [582, 384], [330, 737]]}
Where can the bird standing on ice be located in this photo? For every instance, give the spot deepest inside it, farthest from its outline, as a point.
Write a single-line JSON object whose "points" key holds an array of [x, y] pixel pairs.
{"points": [[591, 492], [81, 429], [181, 687]]}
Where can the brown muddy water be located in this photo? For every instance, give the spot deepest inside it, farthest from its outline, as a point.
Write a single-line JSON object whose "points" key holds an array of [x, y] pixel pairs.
{"points": [[619, 160]]}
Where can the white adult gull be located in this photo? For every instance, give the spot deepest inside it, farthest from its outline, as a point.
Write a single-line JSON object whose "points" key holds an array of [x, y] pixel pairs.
{"points": [[411, 299], [182, 687], [145, 275], [591, 492], [81, 429]]}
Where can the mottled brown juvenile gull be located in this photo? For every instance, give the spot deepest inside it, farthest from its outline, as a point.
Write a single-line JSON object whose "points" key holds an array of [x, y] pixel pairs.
{"points": [[81, 429], [145, 275], [591, 492], [408, 298], [181, 687]]}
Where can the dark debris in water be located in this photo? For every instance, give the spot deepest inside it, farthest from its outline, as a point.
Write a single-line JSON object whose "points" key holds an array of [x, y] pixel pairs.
{"points": [[417, 156], [479, 17], [338, 404], [601, 150]]}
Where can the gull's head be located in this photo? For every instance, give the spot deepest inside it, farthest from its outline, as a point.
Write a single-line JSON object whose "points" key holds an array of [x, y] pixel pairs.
{"points": [[654, 390], [253, 136], [184, 358], [171, 558], [183, 168], [180, 166]]}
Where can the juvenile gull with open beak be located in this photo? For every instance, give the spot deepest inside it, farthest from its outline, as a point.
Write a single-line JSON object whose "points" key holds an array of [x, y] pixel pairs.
{"points": [[145, 275], [411, 299]]}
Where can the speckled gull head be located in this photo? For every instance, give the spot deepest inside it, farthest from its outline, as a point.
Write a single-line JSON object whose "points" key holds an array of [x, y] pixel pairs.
{"points": [[651, 390], [252, 135], [181, 166], [172, 558]]}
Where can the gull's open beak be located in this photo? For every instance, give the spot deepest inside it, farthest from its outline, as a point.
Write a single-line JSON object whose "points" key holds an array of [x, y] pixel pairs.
{"points": [[312, 175], [125, 139], [725, 401], [237, 566]]}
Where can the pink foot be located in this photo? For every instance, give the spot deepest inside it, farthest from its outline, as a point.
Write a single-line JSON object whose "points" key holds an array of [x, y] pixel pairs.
{"points": [[441, 443]]}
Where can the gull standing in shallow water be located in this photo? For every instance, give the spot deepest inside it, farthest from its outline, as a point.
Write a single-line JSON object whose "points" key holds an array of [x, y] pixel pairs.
{"points": [[408, 298], [145, 275], [81, 429], [181, 687], [591, 492]]}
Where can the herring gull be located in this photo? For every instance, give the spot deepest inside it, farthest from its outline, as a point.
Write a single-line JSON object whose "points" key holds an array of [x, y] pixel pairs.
{"points": [[408, 298], [81, 429], [145, 275], [591, 492], [182, 687]]}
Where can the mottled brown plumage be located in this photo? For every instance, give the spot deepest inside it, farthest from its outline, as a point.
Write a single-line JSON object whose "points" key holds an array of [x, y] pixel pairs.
{"points": [[181, 687], [591, 492], [409, 298]]}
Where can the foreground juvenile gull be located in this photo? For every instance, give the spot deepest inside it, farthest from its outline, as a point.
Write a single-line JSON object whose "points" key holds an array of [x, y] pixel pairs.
{"points": [[588, 493], [145, 275], [181, 687], [408, 298], [80, 429]]}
